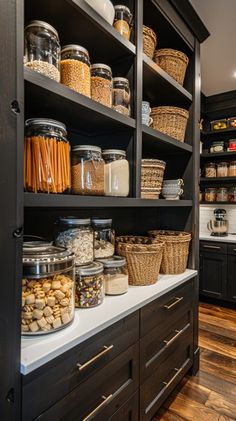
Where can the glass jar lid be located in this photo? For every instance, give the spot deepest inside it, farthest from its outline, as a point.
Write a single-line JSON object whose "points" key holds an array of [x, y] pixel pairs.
{"points": [[101, 221], [113, 262], [232, 163], [45, 122], [72, 220], [222, 164], [121, 79], [101, 66], [43, 24], [86, 148], [76, 47], [122, 8], [93, 269], [114, 152], [210, 164]]}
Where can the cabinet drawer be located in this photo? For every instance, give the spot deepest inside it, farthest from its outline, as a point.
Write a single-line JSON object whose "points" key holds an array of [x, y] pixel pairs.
{"points": [[129, 411], [214, 247], [47, 385], [99, 397], [232, 249], [165, 310]]}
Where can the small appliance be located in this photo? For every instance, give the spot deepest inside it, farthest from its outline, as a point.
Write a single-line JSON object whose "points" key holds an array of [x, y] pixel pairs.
{"points": [[218, 227]]}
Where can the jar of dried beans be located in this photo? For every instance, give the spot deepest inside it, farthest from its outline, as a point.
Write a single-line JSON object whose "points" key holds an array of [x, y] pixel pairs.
{"points": [[104, 245], [123, 20], [115, 275], [210, 170], [121, 95], [87, 171], [75, 69], [222, 169], [101, 84], [89, 285], [46, 156]]}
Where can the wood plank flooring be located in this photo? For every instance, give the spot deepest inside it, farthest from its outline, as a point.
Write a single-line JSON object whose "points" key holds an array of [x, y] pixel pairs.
{"points": [[211, 394]]}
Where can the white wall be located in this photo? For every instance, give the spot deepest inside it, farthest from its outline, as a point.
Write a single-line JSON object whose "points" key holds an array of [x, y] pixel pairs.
{"points": [[206, 213]]}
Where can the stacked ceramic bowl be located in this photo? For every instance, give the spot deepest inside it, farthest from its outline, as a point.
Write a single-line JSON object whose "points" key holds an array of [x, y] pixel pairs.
{"points": [[172, 189]]}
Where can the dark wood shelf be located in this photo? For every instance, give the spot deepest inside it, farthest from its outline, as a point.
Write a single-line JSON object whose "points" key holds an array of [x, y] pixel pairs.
{"points": [[218, 155], [212, 133], [223, 180], [217, 203], [155, 141]]}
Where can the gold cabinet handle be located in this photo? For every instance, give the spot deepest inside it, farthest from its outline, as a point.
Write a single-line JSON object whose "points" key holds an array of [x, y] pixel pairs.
{"points": [[177, 334], [178, 370], [211, 247], [96, 357], [177, 300], [103, 403]]}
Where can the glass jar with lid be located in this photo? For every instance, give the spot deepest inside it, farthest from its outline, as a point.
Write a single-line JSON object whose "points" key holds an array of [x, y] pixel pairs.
{"points": [[121, 95], [222, 194], [77, 236], [210, 170], [210, 195], [75, 69], [89, 285], [232, 169], [222, 169], [46, 156], [116, 172], [87, 170], [123, 21], [232, 194], [48, 299], [104, 245], [115, 275], [217, 146], [101, 84], [42, 49]]}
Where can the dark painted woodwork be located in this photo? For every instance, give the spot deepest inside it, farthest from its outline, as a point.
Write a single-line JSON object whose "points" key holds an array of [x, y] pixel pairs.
{"points": [[213, 246], [213, 274], [231, 284], [129, 411]]}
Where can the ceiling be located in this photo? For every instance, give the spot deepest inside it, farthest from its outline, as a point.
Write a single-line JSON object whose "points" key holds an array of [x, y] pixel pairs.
{"points": [[218, 52]]}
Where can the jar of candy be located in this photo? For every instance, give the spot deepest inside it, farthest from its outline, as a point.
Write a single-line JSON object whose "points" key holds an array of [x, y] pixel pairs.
{"points": [[89, 285]]}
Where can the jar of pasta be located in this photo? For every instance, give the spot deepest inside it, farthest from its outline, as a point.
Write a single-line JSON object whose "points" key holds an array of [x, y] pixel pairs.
{"points": [[123, 21], [89, 285], [222, 169], [115, 275], [232, 169], [210, 170], [101, 84], [210, 195]]}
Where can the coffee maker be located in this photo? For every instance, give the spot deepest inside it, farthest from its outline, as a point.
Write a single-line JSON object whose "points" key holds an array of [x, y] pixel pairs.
{"points": [[218, 227]]}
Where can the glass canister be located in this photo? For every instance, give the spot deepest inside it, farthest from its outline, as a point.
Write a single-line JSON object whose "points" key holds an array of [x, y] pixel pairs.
{"points": [[116, 173], [48, 299], [232, 194], [42, 49], [121, 95], [87, 170], [104, 245], [89, 285], [222, 169], [77, 236], [222, 194], [210, 170], [210, 195], [217, 146], [115, 275], [75, 69], [101, 84], [232, 169], [46, 156], [123, 21]]}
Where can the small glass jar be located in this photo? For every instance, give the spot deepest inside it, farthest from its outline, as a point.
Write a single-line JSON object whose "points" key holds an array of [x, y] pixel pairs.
{"points": [[222, 169], [46, 156], [104, 245], [115, 275], [42, 49], [77, 236], [48, 300], [89, 285], [222, 194], [101, 84], [121, 95], [210, 170], [123, 21], [217, 146], [75, 69], [87, 170], [210, 195], [116, 173], [232, 169], [232, 194]]}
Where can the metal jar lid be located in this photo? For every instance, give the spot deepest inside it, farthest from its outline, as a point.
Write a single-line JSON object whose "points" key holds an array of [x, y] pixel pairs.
{"points": [[45, 121], [43, 24], [76, 47], [101, 221], [121, 7], [87, 270], [101, 66], [86, 148], [121, 79], [71, 220], [113, 262], [114, 151]]}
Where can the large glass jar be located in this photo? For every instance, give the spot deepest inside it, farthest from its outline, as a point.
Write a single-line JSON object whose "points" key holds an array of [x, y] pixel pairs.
{"points": [[116, 173], [46, 156], [210, 170], [75, 69], [101, 84], [121, 95], [123, 21], [104, 245], [48, 299], [89, 285], [77, 236], [232, 169], [222, 169], [42, 49], [87, 171], [115, 275], [210, 195], [222, 194]]}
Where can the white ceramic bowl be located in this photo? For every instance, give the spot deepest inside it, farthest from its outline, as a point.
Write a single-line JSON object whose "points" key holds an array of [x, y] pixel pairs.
{"points": [[104, 8]]}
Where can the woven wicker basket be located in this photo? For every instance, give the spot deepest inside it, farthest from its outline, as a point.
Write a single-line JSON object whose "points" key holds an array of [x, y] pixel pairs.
{"points": [[173, 62], [149, 41], [171, 121], [152, 173], [176, 250]]}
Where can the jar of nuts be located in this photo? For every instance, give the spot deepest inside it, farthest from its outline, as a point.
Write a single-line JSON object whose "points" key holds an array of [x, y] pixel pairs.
{"points": [[121, 95], [47, 288], [101, 84], [210, 170], [89, 285]]}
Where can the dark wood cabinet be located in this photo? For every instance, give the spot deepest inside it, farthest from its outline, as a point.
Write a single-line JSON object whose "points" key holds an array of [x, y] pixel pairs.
{"points": [[231, 273]]}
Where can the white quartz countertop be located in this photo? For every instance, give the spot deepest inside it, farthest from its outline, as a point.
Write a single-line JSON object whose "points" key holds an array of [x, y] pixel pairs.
{"points": [[38, 350], [229, 239]]}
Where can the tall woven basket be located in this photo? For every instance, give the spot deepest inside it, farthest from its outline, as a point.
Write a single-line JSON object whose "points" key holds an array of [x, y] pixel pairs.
{"points": [[173, 62], [152, 173], [176, 250], [149, 41], [171, 121]]}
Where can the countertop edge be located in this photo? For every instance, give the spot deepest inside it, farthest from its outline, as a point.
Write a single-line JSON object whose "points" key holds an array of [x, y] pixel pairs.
{"points": [[230, 239]]}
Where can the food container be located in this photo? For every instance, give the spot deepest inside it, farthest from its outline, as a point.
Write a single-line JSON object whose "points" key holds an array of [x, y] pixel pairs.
{"points": [[104, 245], [222, 169], [101, 84], [121, 95], [116, 173], [232, 169], [222, 195], [104, 8], [42, 49], [232, 122], [115, 275], [123, 21], [47, 288], [77, 236], [210, 170], [87, 170], [46, 156], [232, 194], [217, 146], [75, 69], [210, 195], [89, 285], [231, 145], [219, 124]]}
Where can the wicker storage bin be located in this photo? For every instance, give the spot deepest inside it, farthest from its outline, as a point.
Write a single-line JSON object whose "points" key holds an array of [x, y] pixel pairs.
{"points": [[149, 41], [171, 121], [176, 250], [152, 173], [173, 62]]}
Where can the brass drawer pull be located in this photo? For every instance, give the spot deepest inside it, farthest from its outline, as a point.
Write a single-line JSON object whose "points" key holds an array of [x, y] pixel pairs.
{"points": [[211, 247], [96, 357], [177, 334], [103, 403], [177, 300], [178, 370]]}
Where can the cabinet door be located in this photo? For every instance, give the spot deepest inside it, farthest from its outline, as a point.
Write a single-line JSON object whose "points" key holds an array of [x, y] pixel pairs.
{"points": [[213, 274], [231, 278]]}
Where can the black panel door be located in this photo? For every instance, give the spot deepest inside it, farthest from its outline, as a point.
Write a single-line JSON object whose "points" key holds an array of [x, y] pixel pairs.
{"points": [[231, 278], [213, 275]]}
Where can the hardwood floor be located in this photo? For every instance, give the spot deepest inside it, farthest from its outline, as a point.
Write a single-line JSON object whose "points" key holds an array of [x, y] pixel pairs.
{"points": [[211, 394]]}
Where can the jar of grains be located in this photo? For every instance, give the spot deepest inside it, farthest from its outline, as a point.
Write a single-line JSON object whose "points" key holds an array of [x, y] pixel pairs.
{"points": [[46, 156], [232, 169], [116, 172], [115, 275], [210, 195], [42, 49], [222, 194], [89, 285], [121, 95], [210, 170], [77, 236], [104, 245], [101, 84], [123, 21], [87, 170], [222, 169], [75, 69], [48, 299]]}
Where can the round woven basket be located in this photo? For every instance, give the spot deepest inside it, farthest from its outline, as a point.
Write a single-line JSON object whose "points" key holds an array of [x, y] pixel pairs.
{"points": [[152, 173], [174, 63], [176, 250], [171, 121], [149, 41]]}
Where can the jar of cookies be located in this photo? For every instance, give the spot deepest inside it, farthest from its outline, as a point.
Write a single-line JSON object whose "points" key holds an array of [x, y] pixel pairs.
{"points": [[89, 285], [47, 288], [210, 170]]}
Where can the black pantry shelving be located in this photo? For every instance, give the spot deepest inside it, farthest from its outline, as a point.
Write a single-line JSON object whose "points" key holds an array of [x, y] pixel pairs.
{"points": [[225, 154], [212, 180]]}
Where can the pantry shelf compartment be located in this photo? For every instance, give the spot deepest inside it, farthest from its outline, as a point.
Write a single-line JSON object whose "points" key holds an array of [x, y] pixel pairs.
{"points": [[158, 142]]}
